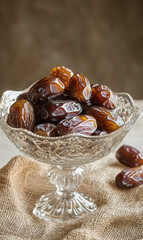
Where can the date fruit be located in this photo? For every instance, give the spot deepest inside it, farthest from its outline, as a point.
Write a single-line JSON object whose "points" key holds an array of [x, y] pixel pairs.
{"points": [[63, 73], [106, 119], [37, 113], [21, 115], [57, 110], [129, 156], [36, 106], [46, 130], [103, 96], [79, 124], [64, 96], [60, 99], [22, 96], [80, 89], [129, 178], [45, 89]]}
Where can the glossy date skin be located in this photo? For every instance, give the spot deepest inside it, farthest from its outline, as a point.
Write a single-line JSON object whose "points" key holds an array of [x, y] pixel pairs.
{"points": [[79, 124], [22, 96], [36, 106], [103, 96], [63, 73], [21, 115], [129, 156], [57, 110], [46, 130], [45, 89], [106, 119], [80, 89], [129, 178]]}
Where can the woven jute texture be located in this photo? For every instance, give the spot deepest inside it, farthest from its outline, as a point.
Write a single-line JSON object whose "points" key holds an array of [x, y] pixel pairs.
{"points": [[119, 215], [23, 181]]}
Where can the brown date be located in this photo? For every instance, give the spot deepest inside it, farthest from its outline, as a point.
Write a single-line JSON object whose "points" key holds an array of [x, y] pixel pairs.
{"points": [[99, 132], [45, 89], [131, 177], [80, 88], [103, 96], [79, 124], [106, 119], [21, 115], [65, 96], [22, 96], [36, 106], [63, 73], [46, 129], [57, 110], [129, 156], [37, 113]]}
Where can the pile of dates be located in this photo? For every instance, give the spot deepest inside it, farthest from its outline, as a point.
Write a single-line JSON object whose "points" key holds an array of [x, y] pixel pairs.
{"points": [[133, 176], [66, 103]]}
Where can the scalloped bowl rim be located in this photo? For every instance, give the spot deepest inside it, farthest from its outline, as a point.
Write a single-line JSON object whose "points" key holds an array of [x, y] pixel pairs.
{"points": [[71, 134]]}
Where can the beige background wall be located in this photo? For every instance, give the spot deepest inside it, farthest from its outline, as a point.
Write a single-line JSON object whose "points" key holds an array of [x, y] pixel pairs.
{"points": [[103, 39]]}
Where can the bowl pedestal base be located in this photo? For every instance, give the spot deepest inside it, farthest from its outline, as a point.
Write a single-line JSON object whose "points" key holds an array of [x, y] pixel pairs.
{"points": [[65, 203]]}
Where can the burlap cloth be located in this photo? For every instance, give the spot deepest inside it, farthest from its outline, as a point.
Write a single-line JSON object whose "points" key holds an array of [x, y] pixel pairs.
{"points": [[119, 214]]}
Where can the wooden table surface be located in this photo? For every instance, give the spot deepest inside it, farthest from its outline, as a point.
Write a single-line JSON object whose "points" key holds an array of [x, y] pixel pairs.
{"points": [[133, 138]]}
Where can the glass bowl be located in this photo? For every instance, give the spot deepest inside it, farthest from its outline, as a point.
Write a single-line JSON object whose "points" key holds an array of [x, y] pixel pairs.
{"points": [[66, 154]]}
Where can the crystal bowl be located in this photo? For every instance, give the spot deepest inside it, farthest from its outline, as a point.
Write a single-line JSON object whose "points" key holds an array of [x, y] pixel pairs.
{"points": [[66, 154]]}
